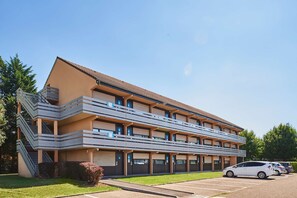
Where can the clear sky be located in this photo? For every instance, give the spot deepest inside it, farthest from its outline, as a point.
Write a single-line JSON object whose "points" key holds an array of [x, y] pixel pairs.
{"points": [[236, 59]]}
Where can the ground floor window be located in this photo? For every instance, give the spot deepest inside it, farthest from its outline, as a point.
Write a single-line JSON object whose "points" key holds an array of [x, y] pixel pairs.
{"points": [[180, 161], [140, 161], [159, 162], [193, 162]]}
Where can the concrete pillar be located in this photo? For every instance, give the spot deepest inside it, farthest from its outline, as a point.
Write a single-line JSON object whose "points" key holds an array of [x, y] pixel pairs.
{"points": [[151, 163], [125, 130], [39, 131], [223, 162], [125, 164], [201, 162], [39, 125], [56, 156], [19, 110], [55, 127], [151, 133], [188, 163], [18, 133], [91, 155], [56, 153], [171, 133], [39, 156], [171, 163], [212, 163]]}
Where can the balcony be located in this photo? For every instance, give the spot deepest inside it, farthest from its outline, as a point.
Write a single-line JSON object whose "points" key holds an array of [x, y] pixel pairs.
{"points": [[90, 139], [98, 107]]}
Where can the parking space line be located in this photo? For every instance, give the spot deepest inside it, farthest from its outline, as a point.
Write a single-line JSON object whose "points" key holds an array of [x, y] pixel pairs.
{"points": [[240, 181], [90, 196], [220, 185], [214, 189]]}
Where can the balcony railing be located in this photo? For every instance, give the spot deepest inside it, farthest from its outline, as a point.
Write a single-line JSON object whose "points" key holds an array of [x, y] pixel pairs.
{"points": [[90, 139], [98, 107]]}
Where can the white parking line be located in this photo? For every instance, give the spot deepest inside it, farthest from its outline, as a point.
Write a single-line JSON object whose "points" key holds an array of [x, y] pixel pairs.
{"points": [[241, 181], [90, 196], [207, 188], [220, 185]]}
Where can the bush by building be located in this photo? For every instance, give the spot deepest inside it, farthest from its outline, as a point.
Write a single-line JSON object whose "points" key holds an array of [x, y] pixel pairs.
{"points": [[85, 171]]}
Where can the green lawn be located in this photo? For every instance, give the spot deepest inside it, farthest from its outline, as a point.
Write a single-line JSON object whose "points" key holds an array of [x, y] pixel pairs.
{"points": [[175, 178], [15, 186]]}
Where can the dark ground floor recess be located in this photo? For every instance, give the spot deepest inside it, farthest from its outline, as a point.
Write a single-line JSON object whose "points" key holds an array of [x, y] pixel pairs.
{"points": [[120, 163]]}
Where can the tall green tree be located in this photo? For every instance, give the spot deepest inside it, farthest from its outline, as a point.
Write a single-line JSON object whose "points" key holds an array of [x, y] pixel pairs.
{"points": [[13, 75], [2, 122], [253, 145], [280, 143]]}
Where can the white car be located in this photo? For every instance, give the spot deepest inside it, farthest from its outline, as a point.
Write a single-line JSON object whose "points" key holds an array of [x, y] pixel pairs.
{"points": [[251, 168], [278, 168]]}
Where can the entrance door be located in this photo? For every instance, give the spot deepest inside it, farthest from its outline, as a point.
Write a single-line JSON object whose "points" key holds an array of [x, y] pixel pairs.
{"points": [[119, 163]]}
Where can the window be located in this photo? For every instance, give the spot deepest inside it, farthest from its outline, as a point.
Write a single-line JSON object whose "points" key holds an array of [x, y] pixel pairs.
{"points": [[96, 130], [216, 161], [166, 136], [140, 161], [130, 103], [159, 162], [241, 165], [109, 133], [180, 162], [119, 129], [174, 116], [167, 114], [174, 137], [254, 164], [193, 162], [139, 135], [119, 100], [130, 130], [158, 138]]}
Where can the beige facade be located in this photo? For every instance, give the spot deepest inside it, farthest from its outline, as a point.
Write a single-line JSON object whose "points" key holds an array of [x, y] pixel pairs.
{"points": [[145, 119]]}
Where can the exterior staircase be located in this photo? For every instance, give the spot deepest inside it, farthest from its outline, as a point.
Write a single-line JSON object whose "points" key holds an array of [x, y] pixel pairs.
{"points": [[27, 148]]}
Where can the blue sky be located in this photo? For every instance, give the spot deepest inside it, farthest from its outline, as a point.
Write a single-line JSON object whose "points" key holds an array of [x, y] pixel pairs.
{"points": [[236, 59]]}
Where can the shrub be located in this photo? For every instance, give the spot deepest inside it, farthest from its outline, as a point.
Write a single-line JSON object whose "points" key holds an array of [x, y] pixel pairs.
{"points": [[85, 171], [91, 172], [48, 169], [294, 164]]}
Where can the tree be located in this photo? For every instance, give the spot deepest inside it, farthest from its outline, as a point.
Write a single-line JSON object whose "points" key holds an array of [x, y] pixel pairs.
{"points": [[253, 145], [2, 123], [13, 75], [280, 143]]}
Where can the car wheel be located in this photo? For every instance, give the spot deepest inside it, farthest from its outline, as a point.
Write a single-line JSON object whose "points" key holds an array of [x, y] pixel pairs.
{"points": [[262, 175], [278, 173], [287, 172], [230, 174]]}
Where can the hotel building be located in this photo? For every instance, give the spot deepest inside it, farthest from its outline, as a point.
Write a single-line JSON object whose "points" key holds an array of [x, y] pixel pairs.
{"points": [[84, 115]]}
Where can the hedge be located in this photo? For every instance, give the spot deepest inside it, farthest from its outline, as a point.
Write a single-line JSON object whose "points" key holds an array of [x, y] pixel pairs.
{"points": [[294, 164], [85, 171]]}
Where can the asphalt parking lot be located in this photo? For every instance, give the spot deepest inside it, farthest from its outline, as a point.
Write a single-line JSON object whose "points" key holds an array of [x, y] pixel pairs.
{"points": [[235, 187], [223, 187]]}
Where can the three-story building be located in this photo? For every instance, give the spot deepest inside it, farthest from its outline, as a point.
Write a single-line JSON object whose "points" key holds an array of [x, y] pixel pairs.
{"points": [[84, 115]]}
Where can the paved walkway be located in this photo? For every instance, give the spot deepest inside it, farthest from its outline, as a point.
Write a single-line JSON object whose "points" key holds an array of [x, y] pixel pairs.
{"points": [[147, 189]]}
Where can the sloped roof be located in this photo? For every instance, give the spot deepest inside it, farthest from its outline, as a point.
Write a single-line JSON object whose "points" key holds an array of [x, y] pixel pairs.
{"points": [[116, 83]]}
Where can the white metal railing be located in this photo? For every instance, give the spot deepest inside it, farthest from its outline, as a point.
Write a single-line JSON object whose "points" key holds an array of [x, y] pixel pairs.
{"points": [[27, 158], [84, 138], [99, 107]]}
